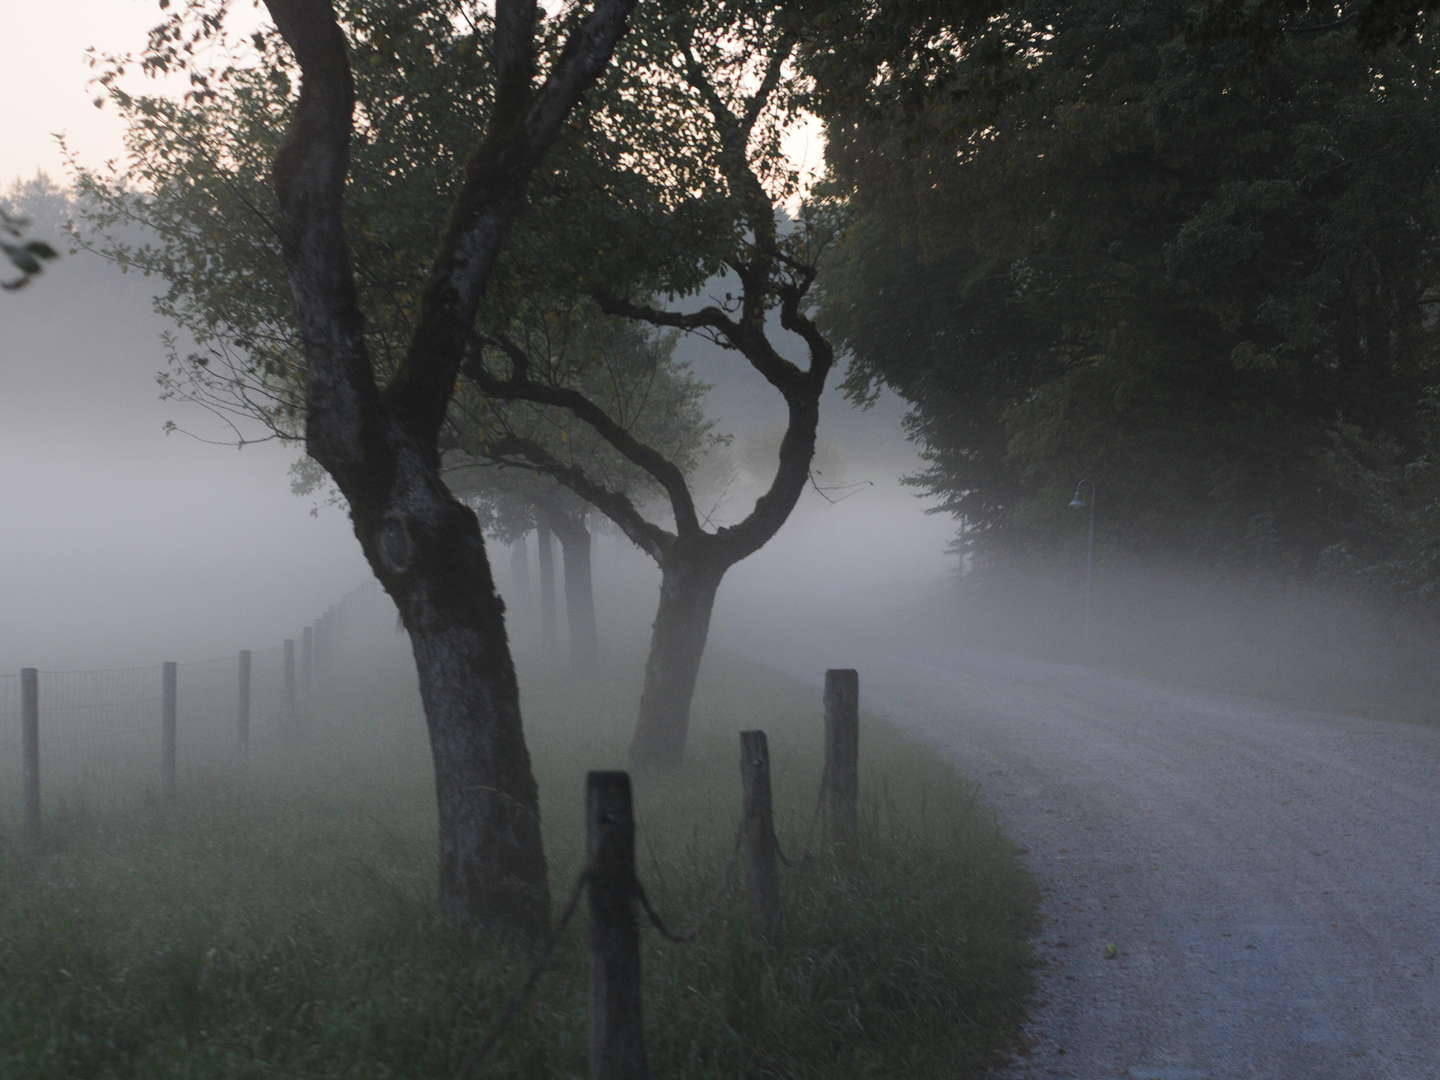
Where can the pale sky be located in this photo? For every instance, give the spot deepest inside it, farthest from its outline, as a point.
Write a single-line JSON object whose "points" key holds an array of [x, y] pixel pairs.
{"points": [[44, 76], [43, 79]]}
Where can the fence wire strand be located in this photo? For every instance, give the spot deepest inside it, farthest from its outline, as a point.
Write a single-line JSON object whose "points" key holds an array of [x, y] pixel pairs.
{"points": [[729, 883], [807, 853], [521, 997]]}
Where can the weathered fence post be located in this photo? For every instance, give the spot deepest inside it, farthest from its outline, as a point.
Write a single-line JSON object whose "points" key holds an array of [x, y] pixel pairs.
{"points": [[242, 707], [307, 658], [317, 659], [322, 644], [617, 1044], [168, 699], [290, 680], [30, 749], [842, 759], [762, 864]]}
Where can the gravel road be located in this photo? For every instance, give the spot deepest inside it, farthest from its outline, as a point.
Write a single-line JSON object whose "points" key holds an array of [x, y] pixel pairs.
{"points": [[1269, 878]]}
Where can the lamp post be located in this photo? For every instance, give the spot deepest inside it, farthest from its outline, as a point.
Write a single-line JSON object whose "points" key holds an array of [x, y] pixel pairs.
{"points": [[1082, 500]]}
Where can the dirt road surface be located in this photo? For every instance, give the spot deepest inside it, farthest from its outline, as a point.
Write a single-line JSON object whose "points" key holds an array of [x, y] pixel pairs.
{"points": [[1232, 889]]}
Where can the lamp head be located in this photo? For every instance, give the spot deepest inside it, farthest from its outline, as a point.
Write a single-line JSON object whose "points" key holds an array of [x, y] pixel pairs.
{"points": [[1078, 502]]}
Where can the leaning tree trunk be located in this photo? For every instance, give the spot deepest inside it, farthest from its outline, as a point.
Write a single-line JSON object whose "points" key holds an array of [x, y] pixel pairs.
{"points": [[682, 624], [547, 586], [428, 552], [579, 587]]}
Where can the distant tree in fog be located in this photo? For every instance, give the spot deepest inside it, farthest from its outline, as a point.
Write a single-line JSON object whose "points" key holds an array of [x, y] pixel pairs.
{"points": [[723, 72]]}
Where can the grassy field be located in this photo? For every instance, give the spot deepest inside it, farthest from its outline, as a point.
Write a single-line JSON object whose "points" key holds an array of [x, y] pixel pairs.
{"points": [[280, 924]]}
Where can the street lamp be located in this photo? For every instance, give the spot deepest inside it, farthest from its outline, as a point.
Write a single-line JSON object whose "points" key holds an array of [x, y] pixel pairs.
{"points": [[1081, 501]]}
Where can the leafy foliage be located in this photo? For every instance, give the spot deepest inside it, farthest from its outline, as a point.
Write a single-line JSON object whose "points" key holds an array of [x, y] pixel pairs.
{"points": [[199, 176], [1203, 277]]}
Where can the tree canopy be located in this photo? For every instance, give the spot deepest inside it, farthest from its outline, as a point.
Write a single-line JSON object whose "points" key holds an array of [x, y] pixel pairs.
{"points": [[669, 173], [1085, 244]]}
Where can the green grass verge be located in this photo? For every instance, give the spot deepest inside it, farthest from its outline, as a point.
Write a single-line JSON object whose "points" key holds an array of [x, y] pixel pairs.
{"points": [[282, 925]]}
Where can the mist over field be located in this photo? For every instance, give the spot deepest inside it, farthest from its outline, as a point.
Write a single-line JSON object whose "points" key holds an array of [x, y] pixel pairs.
{"points": [[124, 545], [127, 545]]}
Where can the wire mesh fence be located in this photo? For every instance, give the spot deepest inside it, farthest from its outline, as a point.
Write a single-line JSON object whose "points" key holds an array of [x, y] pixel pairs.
{"points": [[102, 735], [99, 736]]}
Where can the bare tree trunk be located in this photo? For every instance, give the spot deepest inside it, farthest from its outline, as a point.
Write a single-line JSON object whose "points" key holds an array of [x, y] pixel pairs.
{"points": [[575, 549], [427, 551], [520, 570], [677, 643], [580, 598], [547, 585], [492, 862]]}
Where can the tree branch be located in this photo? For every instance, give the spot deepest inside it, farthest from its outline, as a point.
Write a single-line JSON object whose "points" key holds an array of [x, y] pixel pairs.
{"points": [[524, 453], [520, 387], [310, 171], [522, 129], [749, 340]]}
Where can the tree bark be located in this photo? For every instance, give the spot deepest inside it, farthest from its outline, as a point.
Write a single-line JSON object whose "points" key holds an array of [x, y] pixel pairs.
{"points": [[381, 446], [688, 583], [426, 549], [492, 862], [575, 550], [547, 585]]}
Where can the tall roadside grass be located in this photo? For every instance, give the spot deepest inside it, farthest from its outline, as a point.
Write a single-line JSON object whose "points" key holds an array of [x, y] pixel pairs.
{"points": [[280, 924]]}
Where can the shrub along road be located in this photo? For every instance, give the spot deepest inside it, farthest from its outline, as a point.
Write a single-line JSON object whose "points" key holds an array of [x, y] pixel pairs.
{"points": [[1232, 888]]}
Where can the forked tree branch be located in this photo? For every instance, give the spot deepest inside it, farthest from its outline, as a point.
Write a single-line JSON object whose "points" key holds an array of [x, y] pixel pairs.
{"points": [[520, 387], [526, 454], [522, 129]]}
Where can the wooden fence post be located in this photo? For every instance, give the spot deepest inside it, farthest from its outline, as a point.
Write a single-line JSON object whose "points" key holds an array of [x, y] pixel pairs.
{"points": [[168, 699], [290, 680], [617, 1044], [242, 707], [30, 749], [307, 658], [762, 864], [323, 627], [842, 759]]}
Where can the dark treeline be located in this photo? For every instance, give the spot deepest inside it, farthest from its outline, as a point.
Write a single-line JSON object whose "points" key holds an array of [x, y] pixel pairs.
{"points": [[1201, 274], [1187, 253]]}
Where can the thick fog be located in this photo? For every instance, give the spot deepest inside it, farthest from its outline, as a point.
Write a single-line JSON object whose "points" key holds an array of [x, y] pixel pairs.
{"points": [[123, 545]]}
